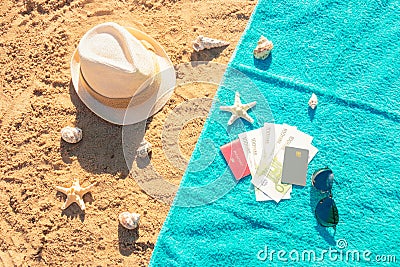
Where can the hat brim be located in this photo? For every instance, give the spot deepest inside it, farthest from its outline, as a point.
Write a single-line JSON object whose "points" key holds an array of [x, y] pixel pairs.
{"points": [[132, 113]]}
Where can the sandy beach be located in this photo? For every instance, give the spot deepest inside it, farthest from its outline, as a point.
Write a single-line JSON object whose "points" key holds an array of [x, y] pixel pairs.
{"points": [[37, 39]]}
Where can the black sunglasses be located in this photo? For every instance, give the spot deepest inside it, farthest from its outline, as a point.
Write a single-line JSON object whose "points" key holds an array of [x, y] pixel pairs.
{"points": [[326, 211]]}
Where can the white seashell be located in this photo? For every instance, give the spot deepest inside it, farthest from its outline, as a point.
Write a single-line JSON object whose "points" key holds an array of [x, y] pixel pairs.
{"points": [[263, 48], [129, 220], [71, 134], [313, 102], [202, 43], [144, 149]]}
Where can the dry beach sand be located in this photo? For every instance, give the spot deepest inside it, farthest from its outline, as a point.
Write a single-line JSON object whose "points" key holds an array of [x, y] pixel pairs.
{"points": [[37, 38]]}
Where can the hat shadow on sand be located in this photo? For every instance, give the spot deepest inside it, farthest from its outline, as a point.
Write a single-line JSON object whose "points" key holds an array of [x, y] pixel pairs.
{"points": [[101, 147]]}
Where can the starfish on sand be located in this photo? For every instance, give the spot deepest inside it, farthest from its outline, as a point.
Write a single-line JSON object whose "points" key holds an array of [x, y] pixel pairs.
{"points": [[239, 110], [74, 194]]}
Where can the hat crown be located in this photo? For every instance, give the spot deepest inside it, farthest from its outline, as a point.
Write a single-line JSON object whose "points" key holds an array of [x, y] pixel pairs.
{"points": [[113, 62]]}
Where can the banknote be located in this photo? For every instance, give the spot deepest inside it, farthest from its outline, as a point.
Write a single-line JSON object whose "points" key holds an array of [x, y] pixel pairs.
{"points": [[270, 181], [261, 196], [270, 134], [254, 145], [264, 152]]}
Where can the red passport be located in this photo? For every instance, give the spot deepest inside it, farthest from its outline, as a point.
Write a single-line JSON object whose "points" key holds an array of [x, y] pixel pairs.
{"points": [[234, 156]]}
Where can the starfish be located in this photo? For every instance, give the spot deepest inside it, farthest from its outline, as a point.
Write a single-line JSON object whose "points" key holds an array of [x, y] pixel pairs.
{"points": [[74, 194], [239, 110]]}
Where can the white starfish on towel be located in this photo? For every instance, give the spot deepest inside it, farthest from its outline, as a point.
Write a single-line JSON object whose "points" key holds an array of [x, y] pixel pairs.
{"points": [[239, 110]]}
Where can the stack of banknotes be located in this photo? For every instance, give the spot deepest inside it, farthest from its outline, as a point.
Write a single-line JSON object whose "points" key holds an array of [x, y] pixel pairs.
{"points": [[264, 152]]}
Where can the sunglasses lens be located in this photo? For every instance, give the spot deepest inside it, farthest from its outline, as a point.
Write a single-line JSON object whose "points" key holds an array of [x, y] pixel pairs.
{"points": [[323, 179], [326, 212]]}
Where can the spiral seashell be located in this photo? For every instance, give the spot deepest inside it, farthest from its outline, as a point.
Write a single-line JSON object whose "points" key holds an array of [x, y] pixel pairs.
{"points": [[144, 149], [202, 43], [129, 220], [313, 102], [71, 135], [263, 48]]}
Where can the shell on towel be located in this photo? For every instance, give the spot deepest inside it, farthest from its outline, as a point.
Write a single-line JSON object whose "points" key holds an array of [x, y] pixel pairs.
{"points": [[263, 48], [202, 43], [313, 102], [71, 135], [129, 220]]}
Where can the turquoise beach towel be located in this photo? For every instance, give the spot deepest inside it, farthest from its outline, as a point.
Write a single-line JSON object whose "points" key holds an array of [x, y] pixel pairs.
{"points": [[348, 54]]}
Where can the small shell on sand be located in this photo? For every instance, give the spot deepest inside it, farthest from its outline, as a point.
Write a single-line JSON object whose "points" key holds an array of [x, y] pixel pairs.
{"points": [[313, 102], [144, 149], [129, 220], [71, 135], [202, 43], [263, 48]]}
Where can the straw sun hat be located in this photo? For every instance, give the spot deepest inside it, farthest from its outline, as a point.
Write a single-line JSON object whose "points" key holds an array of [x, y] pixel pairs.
{"points": [[121, 74]]}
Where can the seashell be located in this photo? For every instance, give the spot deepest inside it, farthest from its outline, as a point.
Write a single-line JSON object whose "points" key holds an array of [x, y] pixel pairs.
{"points": [[71, 134], [313, 102], [129, 220], [263, 48], [144, 149], [202, 43]]}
